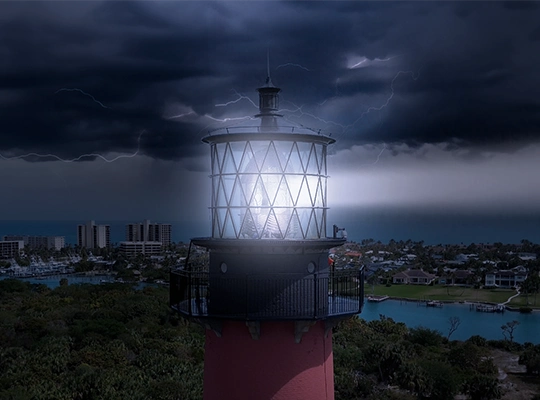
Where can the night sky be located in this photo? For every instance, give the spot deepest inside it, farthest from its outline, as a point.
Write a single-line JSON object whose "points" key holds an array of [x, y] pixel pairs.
{"points": [[434, 105]]}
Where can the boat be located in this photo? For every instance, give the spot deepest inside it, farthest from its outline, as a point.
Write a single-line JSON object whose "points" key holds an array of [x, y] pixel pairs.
{"points": [[434, 303]]}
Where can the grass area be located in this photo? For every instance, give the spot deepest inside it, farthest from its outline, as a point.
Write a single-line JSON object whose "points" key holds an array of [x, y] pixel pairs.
{"points": [[439, 292], [521, 301]]}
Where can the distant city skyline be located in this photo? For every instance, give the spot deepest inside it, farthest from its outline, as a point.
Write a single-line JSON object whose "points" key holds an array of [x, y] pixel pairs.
{"points": [[434, 105], [381, 224]]}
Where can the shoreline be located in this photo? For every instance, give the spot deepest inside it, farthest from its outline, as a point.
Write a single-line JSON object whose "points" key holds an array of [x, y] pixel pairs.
{"points": [[412, 300]]}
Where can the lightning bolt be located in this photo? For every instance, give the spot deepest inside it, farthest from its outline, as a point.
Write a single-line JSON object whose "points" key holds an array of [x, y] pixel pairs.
{"points": [[325, 100], [79, 157], [387, 102], [83, 92], [227, 119], [302, 113], [370, 109], [223, 120], [210, 117], [374, 60], [379, 155], [240, 97], [376, 160], [359, 63], [181, 115], [292, 65]]}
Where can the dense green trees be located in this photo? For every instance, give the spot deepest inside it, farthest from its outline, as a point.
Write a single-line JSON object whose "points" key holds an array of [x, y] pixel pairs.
{"points": [[95, 342], [531, 359], [531, 285], [384, 359]]}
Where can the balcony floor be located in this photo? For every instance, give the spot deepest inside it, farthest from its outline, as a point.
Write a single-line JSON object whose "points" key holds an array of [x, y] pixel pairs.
{"points": [[336, 306]]}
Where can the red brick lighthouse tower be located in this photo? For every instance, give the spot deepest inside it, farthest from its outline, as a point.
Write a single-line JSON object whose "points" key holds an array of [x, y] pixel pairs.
{"points": [[268, 297]]}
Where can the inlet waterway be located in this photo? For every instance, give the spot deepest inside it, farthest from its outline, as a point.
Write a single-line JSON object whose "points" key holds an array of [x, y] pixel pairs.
{"points": [[487, 325]]}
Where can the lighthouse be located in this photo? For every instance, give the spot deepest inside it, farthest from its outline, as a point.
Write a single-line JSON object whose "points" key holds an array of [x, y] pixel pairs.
{"points": [[268, 296]]}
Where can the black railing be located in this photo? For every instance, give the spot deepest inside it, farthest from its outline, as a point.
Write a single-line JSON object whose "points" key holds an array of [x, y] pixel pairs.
{"points": [[267, 297]]}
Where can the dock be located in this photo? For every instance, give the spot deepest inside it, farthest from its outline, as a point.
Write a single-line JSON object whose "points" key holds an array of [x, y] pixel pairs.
{"points": [[490, 308], [377, 299]]}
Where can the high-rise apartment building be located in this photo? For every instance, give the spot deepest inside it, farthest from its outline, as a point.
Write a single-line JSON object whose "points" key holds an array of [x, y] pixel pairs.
{"points": [[93, 236], [36, 242], [56, 242], [149, 232], [10, 248]]}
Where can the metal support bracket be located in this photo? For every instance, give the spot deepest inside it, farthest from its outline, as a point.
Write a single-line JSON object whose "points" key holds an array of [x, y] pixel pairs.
{"points": [[212, 324], [254, 328], [301, 327]]}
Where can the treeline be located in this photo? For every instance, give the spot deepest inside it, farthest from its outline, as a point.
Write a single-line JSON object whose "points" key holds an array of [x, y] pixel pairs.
{"points": [[108, 342]]}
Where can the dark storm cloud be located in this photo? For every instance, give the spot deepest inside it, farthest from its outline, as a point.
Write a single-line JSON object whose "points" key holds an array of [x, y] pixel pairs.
{"points": [[520, 5], [474, 66]]}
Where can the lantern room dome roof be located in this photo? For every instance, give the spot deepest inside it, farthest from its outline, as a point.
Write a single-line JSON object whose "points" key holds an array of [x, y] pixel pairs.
{"points": [[269, 122]]}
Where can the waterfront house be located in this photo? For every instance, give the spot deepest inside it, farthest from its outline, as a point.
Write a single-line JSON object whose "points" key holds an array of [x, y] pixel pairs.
{"points": [[506, 278], [527, 256], [413, 277], [456, 277]]}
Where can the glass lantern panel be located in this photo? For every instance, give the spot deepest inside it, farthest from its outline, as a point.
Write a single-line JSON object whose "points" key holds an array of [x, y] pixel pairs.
{"points": [[304, 195], [283, 150], [294, 163], [247, 162], [221, 195], [319, 196], [229, 164], [218, 160], [305, 150], [312, 183], [312, 228]]}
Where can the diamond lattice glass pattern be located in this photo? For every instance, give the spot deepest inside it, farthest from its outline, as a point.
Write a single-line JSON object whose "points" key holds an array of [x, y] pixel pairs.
{"points": [[265, 189]]}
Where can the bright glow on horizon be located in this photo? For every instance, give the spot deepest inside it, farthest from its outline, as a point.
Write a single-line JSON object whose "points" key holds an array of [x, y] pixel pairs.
{"points": [[431, 177]]}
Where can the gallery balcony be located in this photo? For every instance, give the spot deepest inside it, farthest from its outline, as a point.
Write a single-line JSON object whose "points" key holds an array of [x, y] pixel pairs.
{"points": [[258, 297]]}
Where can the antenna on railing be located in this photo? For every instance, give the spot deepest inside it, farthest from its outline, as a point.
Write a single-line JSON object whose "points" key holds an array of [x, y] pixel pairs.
{"points": [[342, 230]]}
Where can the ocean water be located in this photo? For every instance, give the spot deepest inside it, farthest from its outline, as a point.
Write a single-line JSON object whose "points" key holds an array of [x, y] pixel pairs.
{"points": [[380, 224], [437, 227]]}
